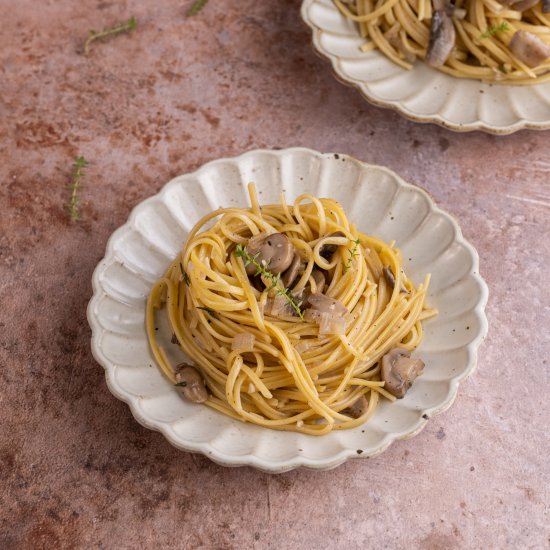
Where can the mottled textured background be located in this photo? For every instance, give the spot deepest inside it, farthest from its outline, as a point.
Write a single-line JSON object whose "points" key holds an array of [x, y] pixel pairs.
{"points": [[76, 469]]}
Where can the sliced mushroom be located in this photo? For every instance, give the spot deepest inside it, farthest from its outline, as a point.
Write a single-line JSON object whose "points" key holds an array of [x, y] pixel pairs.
{"points": [[326, 304], [275, 252], [529, 49], [388, 275], [399, 371], [358, 408], [190, 383], [289, 276], [327, 250], [442, 34], [320, 279], [520, 5]]}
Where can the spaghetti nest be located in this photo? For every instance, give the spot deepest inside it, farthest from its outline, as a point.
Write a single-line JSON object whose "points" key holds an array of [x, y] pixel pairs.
{"points": [[302, 352], [506, 41]]}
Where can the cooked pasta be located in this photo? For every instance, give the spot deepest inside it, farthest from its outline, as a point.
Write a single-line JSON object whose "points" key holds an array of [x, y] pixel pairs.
{"points": [[507, 41], [290, 346]]}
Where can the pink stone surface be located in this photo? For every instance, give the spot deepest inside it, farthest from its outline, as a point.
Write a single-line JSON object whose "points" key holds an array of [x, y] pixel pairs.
{"points": [[76, 471]]}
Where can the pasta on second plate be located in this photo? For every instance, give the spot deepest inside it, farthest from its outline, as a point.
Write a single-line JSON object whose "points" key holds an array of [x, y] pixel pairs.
{"points": [[506, 41], [292, 318]]}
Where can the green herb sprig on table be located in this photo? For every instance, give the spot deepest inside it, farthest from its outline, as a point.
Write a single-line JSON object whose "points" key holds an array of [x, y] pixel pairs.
{"points": [[127, 26], [493, 29], [275, 280], [78, 169], [196, 7], [352, 254]]}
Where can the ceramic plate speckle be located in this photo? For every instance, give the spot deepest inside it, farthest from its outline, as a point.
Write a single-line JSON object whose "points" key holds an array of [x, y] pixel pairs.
{"points": [[380, 203], [423, 94]]}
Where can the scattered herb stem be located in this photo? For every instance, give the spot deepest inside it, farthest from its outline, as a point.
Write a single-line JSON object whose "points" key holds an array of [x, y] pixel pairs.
{"points": [[210, 312], [275, 280], [110, 31], [493, 29], [78, 169], [184, 276], [352, 254], [196, 7]]}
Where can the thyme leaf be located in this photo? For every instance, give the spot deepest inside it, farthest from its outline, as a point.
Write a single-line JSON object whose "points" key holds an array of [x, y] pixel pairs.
{"points": [[184, 276], [352, 254], [210, 312], [196, 7], [493, 29], [127, 26], [78, 169], [181, 384], [275, 280]]}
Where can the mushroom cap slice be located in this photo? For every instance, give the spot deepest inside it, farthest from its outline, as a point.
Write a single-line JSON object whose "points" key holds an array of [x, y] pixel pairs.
{"points": [[289, 276], [190, 383], [275, 252], [320, 279], [529, 49], [400, 370], [442, 37], [357, 408], [327, 250]]}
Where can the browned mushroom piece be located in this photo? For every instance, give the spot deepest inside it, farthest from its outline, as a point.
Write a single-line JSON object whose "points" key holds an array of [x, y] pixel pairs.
{"points": [[520, 5], [389, 276], [289, 276], [326, 304], [327, 250], [399, 371], [358, 408], [442, 34], [529, 49], [320, 279], [190, 383], [275, 252]]}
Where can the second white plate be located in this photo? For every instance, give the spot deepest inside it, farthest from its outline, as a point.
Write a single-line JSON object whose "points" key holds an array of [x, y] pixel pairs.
{"points": [[423, 94]]}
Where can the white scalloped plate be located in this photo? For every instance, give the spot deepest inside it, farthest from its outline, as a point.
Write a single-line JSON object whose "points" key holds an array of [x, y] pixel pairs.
{"points": [[423, 94], [381, 204]]}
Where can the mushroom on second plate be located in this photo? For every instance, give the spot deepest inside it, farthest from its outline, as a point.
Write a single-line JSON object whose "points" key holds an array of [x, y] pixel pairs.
{"points": [[400, 370], [274, 251], [327, 250], [357, 408], [289, 276], [190, 383], [529, 49], [442, 34], [520, 5], [320, 279]]}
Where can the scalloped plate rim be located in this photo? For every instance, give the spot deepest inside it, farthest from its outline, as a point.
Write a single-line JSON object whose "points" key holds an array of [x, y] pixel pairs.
{"points": [[374, 99], [279, 466]]}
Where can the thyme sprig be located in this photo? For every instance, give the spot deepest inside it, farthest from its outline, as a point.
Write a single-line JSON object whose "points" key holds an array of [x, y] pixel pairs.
{"points": [[78, 169], [184, 276], [275, 280], [352, 254], [493, 29], [210, 312], [127, 26], [196, 7]]}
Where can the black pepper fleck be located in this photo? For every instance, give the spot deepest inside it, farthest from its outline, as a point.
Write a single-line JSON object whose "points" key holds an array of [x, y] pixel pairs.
{"points": [[359, 451]]}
